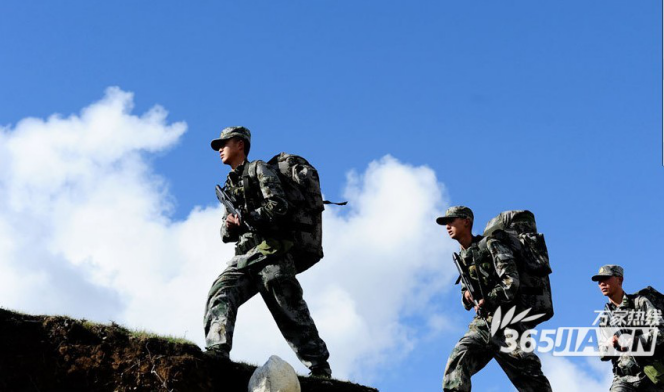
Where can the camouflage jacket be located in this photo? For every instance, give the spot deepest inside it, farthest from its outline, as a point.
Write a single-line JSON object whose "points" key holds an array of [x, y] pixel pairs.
{"points": [[634, 311], [498, 272], [263, 204]]}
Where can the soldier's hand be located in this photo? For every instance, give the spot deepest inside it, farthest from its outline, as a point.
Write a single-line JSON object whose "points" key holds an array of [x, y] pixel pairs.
{"points": [[467, 297], [479, 305], [232, 221], [615, 341]]}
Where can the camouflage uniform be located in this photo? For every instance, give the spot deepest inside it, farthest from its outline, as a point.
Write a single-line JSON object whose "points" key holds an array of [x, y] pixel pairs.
{"points": [[628, 373], [262, 264], [500, 282]]}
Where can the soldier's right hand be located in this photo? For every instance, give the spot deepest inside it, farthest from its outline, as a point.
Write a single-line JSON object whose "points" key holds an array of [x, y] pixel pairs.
{"points": [[232, 221], [467, 297]]}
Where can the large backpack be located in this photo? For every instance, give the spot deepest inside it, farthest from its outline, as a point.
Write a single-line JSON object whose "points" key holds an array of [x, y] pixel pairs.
{"points": [[305, 206], [518, 231], [654, 366], [653, 296]]}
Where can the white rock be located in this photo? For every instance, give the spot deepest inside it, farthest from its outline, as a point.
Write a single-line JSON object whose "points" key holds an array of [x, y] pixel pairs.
{"points": [[275, 376]]}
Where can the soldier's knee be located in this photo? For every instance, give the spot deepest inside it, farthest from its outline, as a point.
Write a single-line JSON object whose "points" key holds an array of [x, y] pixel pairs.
{"points": [[285, 287]]}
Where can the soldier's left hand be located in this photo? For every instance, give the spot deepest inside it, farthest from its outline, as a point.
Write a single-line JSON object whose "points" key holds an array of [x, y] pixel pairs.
{"points": [[232, 221], [480, 303]]}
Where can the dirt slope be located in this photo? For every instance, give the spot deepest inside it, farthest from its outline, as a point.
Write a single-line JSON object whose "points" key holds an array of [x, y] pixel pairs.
{"points": [[43, 353]]}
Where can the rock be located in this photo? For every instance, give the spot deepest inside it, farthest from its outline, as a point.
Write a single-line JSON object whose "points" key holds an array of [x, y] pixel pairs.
{"points": [[275, 376]]}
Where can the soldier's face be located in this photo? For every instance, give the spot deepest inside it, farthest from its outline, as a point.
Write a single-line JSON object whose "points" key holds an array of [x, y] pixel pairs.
{"points": [[611, 285], [231, 151], [457, 227]]}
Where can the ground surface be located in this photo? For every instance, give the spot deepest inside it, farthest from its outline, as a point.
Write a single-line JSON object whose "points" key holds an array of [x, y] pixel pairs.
{"points": [[44, 353]]}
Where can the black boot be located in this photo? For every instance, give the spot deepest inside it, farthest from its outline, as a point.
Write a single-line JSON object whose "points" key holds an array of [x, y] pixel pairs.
{"points": [[321, 371]]}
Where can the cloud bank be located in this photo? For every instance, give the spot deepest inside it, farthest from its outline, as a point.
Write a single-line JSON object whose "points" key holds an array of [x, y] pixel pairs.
{"points": [[85, 230], [579, 375]]}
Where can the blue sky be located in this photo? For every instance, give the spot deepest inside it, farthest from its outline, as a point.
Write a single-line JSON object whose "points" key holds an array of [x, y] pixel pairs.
{"points": [[554, 107]]}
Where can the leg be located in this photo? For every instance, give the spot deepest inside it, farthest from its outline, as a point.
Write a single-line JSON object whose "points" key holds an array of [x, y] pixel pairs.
{"points": [[468, 357], [283, 296], [620, 384], [231, 289], [524, 370]]}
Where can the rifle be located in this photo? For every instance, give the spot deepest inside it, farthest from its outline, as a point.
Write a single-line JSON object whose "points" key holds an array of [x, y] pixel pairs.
{"points": [[475, 290], [229, 202]]}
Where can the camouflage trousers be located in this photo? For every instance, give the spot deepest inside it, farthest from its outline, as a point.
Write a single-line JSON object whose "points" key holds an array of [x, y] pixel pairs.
{"points": [[476, 348], [282, 293], [638, 383]]}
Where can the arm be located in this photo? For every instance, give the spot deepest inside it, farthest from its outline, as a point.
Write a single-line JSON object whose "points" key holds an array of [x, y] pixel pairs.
{"points": [[465, 299], [232, 217], [471, 292], [273, 205], [605, 346], [228, 234], [508, 275]]}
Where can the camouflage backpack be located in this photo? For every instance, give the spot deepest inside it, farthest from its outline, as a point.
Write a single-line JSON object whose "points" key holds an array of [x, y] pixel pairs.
{"points": [[305, 205], [654, 367], [518, 231], [653, 295]]}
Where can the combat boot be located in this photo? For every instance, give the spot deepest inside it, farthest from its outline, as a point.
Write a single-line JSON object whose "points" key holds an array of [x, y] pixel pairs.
{"points": [[218, 354], [322, 371]]}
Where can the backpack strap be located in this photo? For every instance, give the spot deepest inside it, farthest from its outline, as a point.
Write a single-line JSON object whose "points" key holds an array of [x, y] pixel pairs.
{"points": [[249, 178], [482, 244]]}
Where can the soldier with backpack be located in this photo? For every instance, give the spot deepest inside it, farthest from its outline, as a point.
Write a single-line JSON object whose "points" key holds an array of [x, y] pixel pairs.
{"points": [[269, 234], [492, 267], [630, 315]]}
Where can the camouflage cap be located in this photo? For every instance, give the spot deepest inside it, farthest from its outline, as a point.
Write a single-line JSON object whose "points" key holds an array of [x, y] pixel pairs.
{"points": [[228, 133], [607, 271], [455, 212]]}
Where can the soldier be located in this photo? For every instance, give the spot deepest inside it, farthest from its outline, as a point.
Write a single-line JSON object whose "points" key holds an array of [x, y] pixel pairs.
{"points": [[619, 314], [499, 279], [262, 262]]}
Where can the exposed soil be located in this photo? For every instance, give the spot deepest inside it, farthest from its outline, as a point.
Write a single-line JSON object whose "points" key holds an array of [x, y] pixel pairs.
{"points": [[45, 353]]}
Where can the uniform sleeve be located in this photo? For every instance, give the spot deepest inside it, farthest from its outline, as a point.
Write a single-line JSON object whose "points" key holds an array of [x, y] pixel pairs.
{"points": [[467, 305], [606, 334], [273, 205], [508, 276], [228, 235]]}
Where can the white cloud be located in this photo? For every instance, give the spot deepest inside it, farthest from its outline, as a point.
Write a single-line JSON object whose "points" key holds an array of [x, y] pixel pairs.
{"points": [[85, 230], [579, 375]]}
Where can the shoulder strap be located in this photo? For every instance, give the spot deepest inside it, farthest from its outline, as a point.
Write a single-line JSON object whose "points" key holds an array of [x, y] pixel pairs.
{"points": [[249, 178], [632, 297], [482, 244]]}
